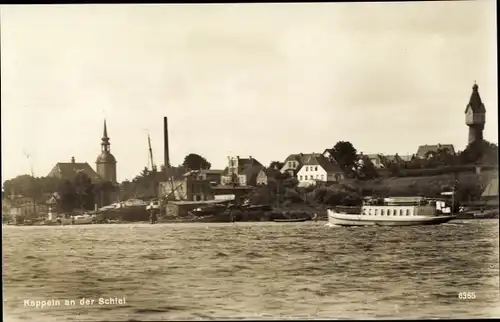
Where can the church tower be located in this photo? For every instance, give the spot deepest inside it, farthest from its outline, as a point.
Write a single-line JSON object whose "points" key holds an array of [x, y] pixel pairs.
{"points": [[106, 162], [475, 115]]}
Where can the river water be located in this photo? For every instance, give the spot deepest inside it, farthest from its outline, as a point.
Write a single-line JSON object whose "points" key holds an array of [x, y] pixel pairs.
{"points": [[250, 271]]}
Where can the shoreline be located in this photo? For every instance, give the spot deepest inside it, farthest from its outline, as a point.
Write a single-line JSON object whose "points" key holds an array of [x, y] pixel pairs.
{"points": [[204, 222]]}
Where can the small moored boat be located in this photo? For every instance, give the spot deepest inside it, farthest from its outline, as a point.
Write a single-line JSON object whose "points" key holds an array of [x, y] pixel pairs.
{"points": [[292, 220]]}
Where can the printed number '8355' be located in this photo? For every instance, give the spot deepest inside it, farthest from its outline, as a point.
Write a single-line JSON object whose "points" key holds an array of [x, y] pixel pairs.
{"points": [[467, 295]]}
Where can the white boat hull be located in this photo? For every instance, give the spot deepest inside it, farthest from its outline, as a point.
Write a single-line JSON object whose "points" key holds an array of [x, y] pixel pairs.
{"points": [[344, 219], [83, 220]]}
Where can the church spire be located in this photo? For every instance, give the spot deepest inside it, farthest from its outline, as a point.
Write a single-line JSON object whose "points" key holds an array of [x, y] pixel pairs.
{"points": [[105, 133], [106, 162], [105, 139]]}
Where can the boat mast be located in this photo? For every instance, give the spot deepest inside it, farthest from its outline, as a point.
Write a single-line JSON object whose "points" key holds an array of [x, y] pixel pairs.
{"points": [[454, 188], [28, 156], [153, 165], [153, 168]]}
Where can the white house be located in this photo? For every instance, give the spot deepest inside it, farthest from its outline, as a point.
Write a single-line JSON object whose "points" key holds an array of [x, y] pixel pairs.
{"points": [[318, 168], [294, 162]]}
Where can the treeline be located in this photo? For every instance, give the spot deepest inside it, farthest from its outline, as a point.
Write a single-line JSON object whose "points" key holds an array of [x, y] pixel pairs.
{"points": [[439, 171], [468, 188], [433, 163], [78, 193]]}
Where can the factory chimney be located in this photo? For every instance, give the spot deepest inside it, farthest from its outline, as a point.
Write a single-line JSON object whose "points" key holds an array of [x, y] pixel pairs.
{"points": [[165, 137]]}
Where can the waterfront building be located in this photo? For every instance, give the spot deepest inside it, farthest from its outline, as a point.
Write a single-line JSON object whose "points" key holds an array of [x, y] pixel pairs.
{"points": [[242, 172], [294, 162], [317, 168]]}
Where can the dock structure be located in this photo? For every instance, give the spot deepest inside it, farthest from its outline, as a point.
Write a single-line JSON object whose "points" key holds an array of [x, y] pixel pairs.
{"points": [[239, 192]]}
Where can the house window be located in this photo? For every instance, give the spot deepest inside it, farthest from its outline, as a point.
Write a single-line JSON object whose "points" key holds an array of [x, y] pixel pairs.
{"points": [[315, 168], [300, 177], [307, 168], [322, 177], [311, 177]]}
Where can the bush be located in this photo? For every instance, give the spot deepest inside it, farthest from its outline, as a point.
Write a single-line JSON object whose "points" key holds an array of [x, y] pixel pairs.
{"points": [[344, 195], [435, 171], [293, 195]]}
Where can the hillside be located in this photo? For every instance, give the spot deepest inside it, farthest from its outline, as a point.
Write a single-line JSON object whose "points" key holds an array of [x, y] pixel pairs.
{"points": [[469, 185]]}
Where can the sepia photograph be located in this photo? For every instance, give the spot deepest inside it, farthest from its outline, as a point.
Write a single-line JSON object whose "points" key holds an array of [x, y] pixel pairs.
{"points": [[250, 161]]}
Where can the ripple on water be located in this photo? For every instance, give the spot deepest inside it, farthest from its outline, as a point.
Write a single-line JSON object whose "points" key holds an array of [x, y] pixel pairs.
{"points": [[252, 271]]}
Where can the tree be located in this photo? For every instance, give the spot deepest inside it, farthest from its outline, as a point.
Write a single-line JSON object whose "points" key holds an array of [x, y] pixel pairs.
{"points": [[276, 165], [338, 195], [145, 172], [20, 185], [480, 151], [443, 157], [196, 162], [367, 169], [127, 190], [416, 163], [345, 155], [68, 197], [263, 195], [102, 192], [31, 187], [84, 190]]}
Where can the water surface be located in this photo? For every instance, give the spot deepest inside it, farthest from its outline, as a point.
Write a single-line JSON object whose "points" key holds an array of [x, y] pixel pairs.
{"points": [[251, 271]]}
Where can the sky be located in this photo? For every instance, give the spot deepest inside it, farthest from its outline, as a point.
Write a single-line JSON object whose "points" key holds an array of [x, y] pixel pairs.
{"points": [[260, 80]]}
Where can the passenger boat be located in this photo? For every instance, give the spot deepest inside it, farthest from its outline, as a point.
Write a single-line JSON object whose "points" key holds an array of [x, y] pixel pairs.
{"points": [[396, 211]]}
